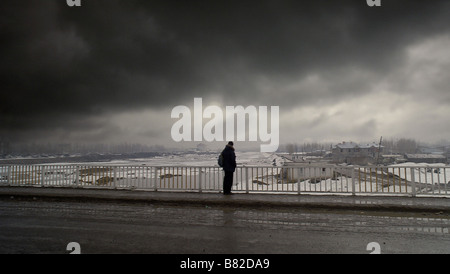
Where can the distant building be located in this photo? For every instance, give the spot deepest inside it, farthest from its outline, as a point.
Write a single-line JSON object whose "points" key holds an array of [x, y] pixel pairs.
{"points": [[430, 150], [392, 159], [303, 171], [426, 158], [358, 154]]}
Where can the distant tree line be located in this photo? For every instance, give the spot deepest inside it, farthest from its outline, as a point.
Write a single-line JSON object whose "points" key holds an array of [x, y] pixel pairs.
{"points": [[400, 146], [305, 147], [7, 148]]}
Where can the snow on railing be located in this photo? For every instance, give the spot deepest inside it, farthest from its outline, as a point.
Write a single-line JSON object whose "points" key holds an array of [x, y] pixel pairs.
{"points": [[399, 180]]}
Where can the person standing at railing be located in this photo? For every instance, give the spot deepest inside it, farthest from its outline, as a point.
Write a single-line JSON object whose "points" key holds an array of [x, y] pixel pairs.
{"points": [[229, 166]]}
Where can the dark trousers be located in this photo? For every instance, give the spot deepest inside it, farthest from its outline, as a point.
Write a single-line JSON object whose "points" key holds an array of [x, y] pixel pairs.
{"points": [[227, 182]]}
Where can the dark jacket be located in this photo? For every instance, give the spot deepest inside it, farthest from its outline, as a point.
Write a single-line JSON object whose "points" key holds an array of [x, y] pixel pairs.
{"points": [[229, 159]]}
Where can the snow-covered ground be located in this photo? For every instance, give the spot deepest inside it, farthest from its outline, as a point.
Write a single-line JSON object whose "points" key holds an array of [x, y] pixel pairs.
{"points": [[428, 178], [190, 159]]}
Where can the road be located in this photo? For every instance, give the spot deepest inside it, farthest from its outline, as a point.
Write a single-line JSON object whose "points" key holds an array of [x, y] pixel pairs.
{"points": [[28, 226]]}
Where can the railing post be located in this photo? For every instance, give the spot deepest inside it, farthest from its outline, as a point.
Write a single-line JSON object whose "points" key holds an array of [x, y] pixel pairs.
{"points": [[42, 176], [155, 174], [115, 177], [9, 176], [353, 182], [77, 176], [298, 181], [413, 182], [246, 178], [200, 180], [446, 183]]}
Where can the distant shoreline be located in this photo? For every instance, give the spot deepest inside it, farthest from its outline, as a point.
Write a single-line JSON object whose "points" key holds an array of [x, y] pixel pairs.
{"points": [[81, 158]]}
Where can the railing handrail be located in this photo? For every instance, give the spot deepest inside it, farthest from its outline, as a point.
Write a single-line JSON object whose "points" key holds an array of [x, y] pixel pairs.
{"points": [[217, 166]]}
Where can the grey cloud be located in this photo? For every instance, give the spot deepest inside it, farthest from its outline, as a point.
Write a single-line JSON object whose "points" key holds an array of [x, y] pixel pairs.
{"points": [[66, 64]]}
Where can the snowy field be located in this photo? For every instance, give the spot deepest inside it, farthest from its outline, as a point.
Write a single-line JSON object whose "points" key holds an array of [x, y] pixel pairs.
{"points": [[205, 160]]}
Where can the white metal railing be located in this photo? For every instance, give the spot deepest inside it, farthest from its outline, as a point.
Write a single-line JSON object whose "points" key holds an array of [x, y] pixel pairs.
{"points": [[404, 180]]}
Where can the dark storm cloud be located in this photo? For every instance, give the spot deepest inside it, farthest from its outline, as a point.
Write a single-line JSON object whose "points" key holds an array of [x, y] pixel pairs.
{"points": [[63, 65]]}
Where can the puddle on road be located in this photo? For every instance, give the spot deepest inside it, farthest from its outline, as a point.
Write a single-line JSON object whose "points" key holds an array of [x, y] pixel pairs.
{"points": [[344, 221], [380, 224]]}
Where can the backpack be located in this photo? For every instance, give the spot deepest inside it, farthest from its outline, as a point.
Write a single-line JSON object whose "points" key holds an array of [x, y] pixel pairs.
{"points": [[220, 160]]}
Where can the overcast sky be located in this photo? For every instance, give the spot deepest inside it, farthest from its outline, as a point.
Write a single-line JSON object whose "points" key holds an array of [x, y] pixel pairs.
{"points": [[113, 70]]}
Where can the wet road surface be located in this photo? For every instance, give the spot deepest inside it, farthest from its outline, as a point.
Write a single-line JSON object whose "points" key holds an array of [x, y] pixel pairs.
{"points": [[28, 226]]}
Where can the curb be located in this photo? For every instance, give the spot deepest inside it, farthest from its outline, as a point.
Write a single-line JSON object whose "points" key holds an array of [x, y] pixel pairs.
{"points": [[343, 203]]}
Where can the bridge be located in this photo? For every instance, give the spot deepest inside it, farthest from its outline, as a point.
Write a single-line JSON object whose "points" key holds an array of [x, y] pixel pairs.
{"points": [[410, 181], [177, 209]]}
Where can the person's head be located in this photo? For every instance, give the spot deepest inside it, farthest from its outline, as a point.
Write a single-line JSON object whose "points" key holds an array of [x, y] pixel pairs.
{"points": [[230, 143]]}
